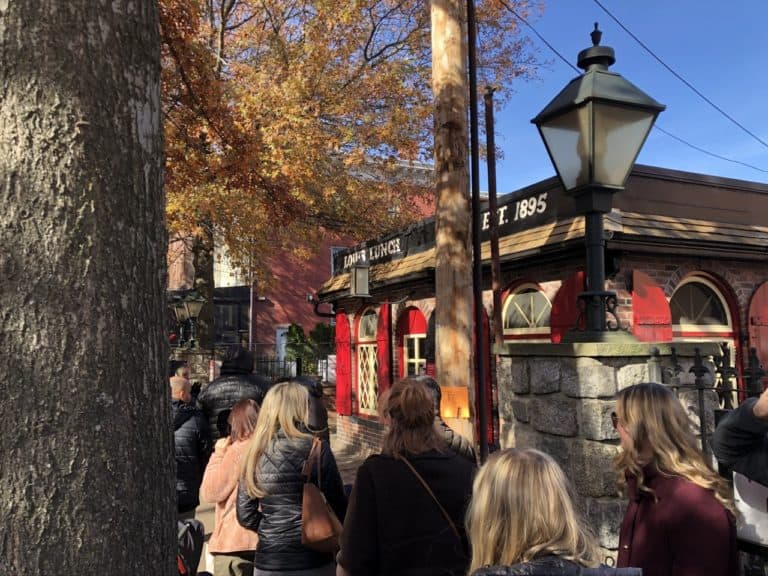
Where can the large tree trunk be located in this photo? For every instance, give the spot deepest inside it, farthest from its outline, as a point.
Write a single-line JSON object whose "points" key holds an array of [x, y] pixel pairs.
{"points": [[87, 471], [453, 279]]}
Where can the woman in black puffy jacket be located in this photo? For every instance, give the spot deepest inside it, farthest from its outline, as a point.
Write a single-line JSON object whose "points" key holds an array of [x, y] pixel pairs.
{"points": [[270, 494]]}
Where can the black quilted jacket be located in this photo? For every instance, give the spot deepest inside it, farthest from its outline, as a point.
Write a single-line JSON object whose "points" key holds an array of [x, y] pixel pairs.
{"points": [[279, 522], [554, 566], [456, 442], [192, 447], [220, 395]]}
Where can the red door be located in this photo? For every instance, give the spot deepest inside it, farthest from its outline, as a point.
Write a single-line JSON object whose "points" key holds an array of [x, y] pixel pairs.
{"points": [[758, 323], [343, 365]]}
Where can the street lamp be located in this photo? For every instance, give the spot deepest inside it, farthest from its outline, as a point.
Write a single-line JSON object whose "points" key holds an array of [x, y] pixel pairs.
{"points": [[193, 306], [181, 318], [593, 131]]}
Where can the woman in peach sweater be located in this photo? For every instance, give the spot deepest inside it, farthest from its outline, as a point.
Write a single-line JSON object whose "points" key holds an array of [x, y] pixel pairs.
{"points": [[232, 546]]}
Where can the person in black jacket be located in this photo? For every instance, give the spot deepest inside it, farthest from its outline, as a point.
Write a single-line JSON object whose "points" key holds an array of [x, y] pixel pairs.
{"points": [[406, 511], [270, 492], [192, 446], [741, 439], [522, 521], [456, 442], [237, 382]]}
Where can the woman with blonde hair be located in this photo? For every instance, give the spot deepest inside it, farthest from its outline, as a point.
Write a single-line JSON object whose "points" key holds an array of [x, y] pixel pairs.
{"points": [[522, 520], [680, 517], [231, 545], [407, 505], [270, 495]]}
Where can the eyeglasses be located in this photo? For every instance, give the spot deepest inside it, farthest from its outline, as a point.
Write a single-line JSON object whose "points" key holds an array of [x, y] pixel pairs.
{"points": [[614, 420]]}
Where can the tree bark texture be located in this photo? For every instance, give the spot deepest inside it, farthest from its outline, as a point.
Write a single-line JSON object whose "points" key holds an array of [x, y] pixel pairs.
{"points": [[87, 469], [453, 269]]}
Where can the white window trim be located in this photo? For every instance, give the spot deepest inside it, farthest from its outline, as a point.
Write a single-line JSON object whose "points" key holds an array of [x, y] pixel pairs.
{"points": [[418, 360], [681, 329], [543, 332]]}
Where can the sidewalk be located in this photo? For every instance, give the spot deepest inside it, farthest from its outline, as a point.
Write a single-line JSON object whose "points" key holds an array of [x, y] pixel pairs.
{"points": [[348, 459]]}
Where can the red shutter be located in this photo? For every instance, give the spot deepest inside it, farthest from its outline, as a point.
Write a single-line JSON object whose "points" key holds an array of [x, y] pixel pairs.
{"points": [[343, 366], [564, 307], [383, 348], [651, 316]]}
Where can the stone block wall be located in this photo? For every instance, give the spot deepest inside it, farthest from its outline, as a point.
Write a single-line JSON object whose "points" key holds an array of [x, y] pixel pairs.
{"points": [[558, 398]]}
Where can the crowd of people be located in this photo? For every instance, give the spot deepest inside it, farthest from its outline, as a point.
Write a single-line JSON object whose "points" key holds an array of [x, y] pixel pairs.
{"points": [[422, 507]]}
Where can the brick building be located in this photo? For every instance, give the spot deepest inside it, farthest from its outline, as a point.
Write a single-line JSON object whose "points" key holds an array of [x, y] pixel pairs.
{"points": [[687, 255]]}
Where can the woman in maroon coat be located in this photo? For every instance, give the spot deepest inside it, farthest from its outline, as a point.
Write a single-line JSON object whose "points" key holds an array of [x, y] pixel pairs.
{"points": [[680, 518]]}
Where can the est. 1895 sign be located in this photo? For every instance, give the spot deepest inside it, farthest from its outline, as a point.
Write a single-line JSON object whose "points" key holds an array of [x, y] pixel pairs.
{"points": [[515, 213]]}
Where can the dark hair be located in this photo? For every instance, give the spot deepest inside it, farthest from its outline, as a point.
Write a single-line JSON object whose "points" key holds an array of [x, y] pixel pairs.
{"points": [[173, 367], [409, 405], [236, 360], [433, 387], [242, 419], [311, 383]]}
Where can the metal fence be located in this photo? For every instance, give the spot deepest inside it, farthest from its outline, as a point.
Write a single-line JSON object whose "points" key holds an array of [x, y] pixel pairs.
{"points": [[718, 389], [274, 368]]}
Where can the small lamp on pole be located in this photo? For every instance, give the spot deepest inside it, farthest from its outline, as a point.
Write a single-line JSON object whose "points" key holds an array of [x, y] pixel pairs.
{"points": [[182, 316], [359, 279], [593, 131], [193, 306]]}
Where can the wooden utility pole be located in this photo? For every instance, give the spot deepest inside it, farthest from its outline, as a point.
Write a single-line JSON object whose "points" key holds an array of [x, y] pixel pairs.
{"points": [[453, 267]]}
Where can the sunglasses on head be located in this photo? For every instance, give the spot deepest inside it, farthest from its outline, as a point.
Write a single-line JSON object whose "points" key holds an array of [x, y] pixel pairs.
{"points": [[614, 420]]}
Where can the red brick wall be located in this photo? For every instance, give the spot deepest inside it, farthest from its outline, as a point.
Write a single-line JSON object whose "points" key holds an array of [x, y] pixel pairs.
{"points": [[365, 435]]}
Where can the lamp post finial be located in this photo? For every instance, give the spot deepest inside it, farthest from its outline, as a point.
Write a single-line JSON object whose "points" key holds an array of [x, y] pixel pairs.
{"points": [[596, 35]]}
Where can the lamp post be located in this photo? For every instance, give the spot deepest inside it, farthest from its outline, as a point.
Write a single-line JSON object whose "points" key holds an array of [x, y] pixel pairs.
{"points": [[359, 280], [181, 318], [193, 306], [593, 131]]}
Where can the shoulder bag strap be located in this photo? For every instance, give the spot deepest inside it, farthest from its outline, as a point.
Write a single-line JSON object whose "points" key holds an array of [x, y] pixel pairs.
{"points": [[429, 491], [306, 471]]}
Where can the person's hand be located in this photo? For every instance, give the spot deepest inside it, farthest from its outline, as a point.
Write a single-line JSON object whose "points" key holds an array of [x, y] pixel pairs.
{"points": [[760, 409], [221, 445]]}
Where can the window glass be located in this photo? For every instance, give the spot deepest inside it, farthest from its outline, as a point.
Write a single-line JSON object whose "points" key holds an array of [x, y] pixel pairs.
{"points": [[527, 308], [367, 330], [697, 303]]}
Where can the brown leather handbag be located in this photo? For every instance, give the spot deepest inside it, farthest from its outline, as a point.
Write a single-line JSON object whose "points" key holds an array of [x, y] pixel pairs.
{"points": [[320, 528]]}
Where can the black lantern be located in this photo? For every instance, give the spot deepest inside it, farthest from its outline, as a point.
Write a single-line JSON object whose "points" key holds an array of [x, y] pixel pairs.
{"points": [[358, 279], [180, 312], [193, 306], [593, 131]]}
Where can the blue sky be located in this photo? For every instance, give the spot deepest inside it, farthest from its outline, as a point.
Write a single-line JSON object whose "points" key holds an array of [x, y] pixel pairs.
{"points": [[718, 47]]}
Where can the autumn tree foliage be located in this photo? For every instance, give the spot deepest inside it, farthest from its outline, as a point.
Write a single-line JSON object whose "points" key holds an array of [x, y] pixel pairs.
{"points": [[285, 119]]}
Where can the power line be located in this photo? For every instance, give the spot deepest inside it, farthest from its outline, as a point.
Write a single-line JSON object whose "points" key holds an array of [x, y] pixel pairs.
{"points": [[660, 129], [540, 37], [655, 126], [679, 77]]}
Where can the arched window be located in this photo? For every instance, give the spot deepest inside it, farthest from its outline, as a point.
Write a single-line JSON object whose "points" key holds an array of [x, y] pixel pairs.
{"points": [[367, 363], [700, 313], [699, 309], [412, 343], [526, 314]]}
